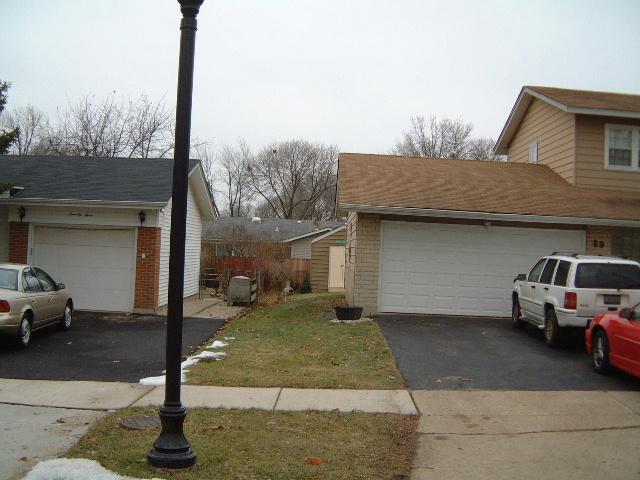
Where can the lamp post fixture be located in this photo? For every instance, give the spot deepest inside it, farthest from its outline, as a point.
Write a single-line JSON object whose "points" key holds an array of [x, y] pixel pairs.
{"points": [[172, 449]]}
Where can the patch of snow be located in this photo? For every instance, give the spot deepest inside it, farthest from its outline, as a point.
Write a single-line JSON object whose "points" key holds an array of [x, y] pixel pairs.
{"points": [[205, 354], [162, 379], [153, 381], [72, 469], [229, 338], [218, 344]]}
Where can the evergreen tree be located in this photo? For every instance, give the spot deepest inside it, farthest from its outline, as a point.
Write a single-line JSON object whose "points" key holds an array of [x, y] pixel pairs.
{"points": [[7, 137]]}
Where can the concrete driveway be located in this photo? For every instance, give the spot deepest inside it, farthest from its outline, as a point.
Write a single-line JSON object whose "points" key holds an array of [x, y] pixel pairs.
{"points": [[527, 435], [455, 353], [103, 347], [496, 403]]}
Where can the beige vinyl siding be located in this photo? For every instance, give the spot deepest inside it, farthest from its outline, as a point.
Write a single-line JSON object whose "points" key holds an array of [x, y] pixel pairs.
{"points": [[590, 151], [320, 260], [301, 248], [554, 130], [192, 250], [350, 260], [4, 233]]}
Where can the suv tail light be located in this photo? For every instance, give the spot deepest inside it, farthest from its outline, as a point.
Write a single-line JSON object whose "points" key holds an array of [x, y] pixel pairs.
{"points": [[4, 306], [570, 300]]}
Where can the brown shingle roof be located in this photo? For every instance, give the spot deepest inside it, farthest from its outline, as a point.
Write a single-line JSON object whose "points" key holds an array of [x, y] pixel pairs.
{"points": [[592, 100], [474, 186]]}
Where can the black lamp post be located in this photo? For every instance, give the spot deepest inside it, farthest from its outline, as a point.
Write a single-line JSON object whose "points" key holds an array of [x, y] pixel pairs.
{"points": [[172, 449]]}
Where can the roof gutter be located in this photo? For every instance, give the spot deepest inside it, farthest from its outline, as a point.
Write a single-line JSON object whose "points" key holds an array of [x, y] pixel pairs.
{"points": [[305, 235], [488, 216], [74, 202]]}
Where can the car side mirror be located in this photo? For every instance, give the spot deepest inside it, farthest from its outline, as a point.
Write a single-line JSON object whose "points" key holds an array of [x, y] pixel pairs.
{"points": [[60, 286], [625, 313], [521, 277]]}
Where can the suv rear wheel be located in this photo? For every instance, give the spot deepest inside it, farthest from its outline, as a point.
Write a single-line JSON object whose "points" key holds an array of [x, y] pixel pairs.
{"points": [[552, 332], [516, 315]]}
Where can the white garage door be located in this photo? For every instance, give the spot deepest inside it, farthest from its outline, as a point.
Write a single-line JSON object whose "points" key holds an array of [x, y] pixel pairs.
{"points": [[460, 269], [97, 266]]}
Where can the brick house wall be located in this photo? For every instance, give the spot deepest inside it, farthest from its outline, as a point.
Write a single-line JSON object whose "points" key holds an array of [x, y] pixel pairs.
{"points": [[18, 242], [599, 240], [147, 269]]}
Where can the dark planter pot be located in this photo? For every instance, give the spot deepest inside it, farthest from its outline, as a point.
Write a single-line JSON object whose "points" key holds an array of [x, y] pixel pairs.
{"points": [[348, 313]]}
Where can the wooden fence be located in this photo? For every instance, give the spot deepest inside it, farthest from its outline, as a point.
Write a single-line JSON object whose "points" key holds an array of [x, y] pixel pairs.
{"points": [[266, 271]]}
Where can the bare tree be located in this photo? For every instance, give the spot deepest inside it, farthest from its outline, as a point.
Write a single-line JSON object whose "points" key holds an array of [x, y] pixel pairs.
{"points": [[292, 177], [151, 127], [443, 138], [111, 128], [482, 149], [234, 164], [31, 123]]}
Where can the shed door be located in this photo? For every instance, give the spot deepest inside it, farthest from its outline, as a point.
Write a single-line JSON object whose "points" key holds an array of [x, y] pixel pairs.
{"points": [[460, 269], [96, 265], [336, 268]]}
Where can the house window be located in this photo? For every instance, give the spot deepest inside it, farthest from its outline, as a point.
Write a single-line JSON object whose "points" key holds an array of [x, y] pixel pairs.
{"points": [[622, 147], [533, 152]]}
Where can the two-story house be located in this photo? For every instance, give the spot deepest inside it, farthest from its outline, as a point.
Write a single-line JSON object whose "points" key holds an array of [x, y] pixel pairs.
{"points": [[443, 236]]}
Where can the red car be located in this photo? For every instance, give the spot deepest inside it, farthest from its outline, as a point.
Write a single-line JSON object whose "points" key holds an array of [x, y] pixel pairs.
{"points": [[613, 339]]}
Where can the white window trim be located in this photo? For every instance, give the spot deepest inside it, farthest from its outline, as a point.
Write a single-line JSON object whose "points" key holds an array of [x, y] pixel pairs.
{"points": [[533, 152], [635, 147]]}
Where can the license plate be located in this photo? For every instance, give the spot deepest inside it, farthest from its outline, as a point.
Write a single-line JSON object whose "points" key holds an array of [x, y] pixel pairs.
{"points": [[611, 299]]}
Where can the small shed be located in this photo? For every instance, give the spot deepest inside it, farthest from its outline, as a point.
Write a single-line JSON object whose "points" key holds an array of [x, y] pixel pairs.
{"points": [[301, 244], [328, 260]]}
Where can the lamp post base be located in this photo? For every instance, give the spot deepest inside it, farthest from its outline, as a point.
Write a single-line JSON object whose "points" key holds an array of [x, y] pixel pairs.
{"points": [[172, 449]]}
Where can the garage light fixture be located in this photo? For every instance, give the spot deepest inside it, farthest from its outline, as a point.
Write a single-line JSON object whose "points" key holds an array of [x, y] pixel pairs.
{"points": [[22, 212], [142, 216]]}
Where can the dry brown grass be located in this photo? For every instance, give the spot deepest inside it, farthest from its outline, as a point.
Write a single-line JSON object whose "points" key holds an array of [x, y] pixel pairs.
{"points": [[290, 344], [252, 444]]}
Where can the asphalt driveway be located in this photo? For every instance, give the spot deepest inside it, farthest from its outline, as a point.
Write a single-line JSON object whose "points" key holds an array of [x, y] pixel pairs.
{"points": [[102, 347], [456, 353]]}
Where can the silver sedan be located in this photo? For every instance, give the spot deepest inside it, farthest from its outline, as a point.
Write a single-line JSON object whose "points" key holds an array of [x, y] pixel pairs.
{"points": [[30, 299]]}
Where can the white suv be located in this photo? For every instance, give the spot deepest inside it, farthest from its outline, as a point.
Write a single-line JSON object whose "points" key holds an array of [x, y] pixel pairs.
{"points": [[568, 290]]}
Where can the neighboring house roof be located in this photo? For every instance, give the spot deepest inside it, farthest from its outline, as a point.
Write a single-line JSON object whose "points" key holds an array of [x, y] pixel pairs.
{"points": [[90, 178], [145, 182], [306, 235], [329, 233], [273, 229], [476, 189], [583, 102]]}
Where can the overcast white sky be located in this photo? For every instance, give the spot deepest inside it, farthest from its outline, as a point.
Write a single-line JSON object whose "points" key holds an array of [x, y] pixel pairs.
{"points": [[349, 72]]}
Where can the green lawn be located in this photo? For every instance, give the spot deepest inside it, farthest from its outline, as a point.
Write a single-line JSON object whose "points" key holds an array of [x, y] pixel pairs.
{"points": [[252, 444], [291, 345]]}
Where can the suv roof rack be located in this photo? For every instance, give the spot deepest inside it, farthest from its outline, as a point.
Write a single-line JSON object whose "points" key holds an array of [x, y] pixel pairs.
{"points": [[568, 254]]}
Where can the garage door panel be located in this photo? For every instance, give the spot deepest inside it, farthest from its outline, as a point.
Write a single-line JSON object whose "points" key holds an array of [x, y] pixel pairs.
{"points": [[460, 269], [97, 266]]}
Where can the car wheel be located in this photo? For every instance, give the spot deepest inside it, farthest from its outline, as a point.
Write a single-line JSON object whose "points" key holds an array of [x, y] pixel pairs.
{"points": [[600, 353], [552, 331], [23, 339], [516, 315], [67, 316]]}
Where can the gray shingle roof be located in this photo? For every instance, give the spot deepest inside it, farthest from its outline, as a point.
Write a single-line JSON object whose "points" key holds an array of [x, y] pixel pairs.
{"points": [[90, 178], [275, 229]]}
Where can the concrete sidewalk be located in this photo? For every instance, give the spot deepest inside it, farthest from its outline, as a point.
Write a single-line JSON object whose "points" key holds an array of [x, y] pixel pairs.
{"points": [[115, 395], [462, 434]]}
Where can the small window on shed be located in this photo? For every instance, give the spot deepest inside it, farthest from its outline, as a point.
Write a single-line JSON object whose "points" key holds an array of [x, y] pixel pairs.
{"points": [[533, 152]]}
